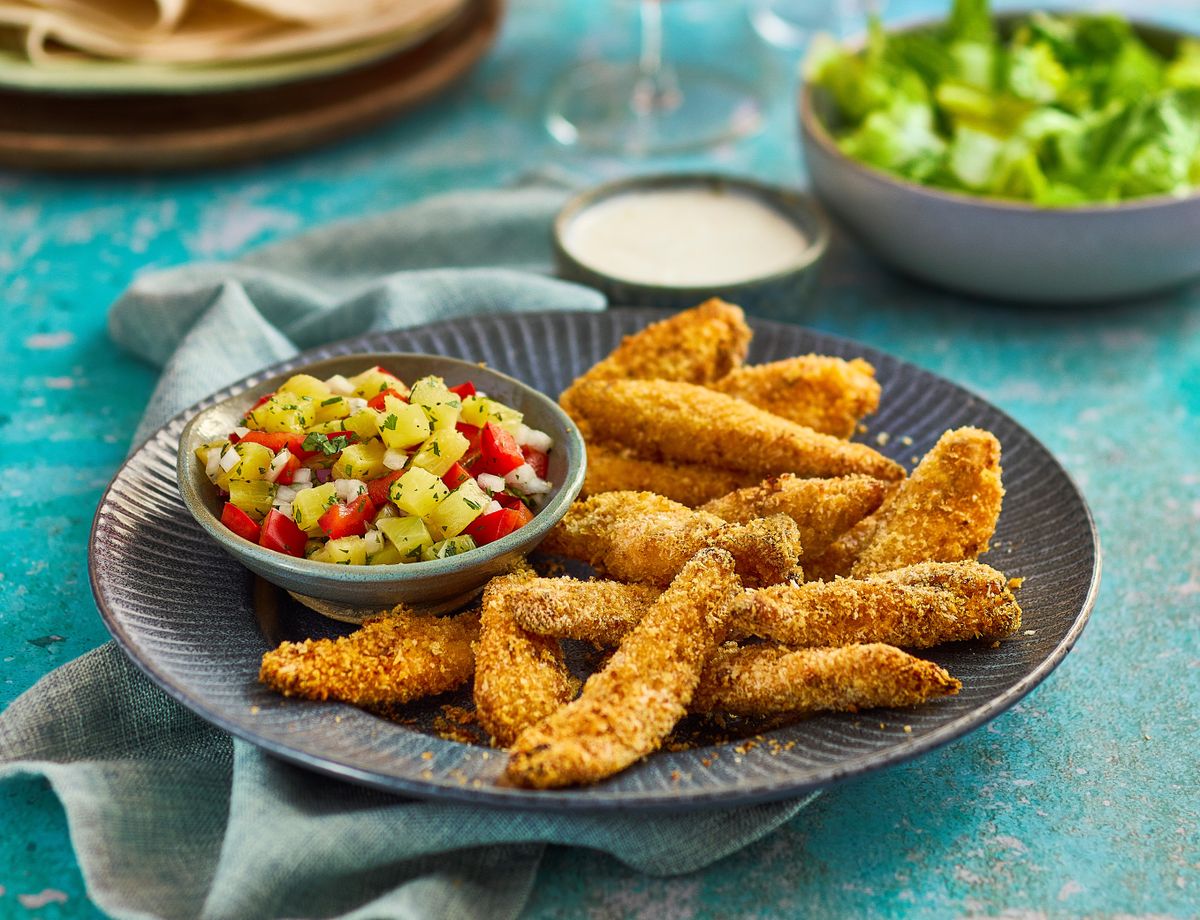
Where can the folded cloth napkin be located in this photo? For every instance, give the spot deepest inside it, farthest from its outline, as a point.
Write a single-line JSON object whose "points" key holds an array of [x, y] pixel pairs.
{"points": [[172, 818]]}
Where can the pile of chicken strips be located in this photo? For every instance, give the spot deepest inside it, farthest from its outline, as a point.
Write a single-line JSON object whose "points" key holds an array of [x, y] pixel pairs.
{"points": [[751, 561]]}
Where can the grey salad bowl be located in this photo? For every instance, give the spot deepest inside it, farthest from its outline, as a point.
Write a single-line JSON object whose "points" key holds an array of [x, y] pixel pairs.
{"points": [[432, 585], [777, 296], [1002, 249]]}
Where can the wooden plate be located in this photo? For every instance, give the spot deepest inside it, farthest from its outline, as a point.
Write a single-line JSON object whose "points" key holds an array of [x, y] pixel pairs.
{"points": [[152, 132]]}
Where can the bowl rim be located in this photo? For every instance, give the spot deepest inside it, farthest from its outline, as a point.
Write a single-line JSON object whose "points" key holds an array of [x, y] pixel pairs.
{"points": [[782, 199], [814, 129], [545, 518]]}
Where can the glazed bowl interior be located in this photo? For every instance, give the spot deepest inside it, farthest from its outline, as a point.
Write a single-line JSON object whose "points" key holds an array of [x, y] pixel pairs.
{"points": [[437, 583]]}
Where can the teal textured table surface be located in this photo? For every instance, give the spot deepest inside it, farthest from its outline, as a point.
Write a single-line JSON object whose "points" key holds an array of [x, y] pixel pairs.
{"points": [[1082, 800]]}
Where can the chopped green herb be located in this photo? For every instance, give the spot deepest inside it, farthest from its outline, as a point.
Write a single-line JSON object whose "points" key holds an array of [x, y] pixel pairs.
{"points": [[332, 400], [390, 423], [316, 441], [474, 506]]}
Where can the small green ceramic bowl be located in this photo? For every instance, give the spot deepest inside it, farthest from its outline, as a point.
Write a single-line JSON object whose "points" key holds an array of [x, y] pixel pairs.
{"points": [[780, 295], [438, 584]]}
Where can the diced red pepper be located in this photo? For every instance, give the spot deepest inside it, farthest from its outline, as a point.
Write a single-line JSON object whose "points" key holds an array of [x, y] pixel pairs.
{"points": [[287, 475], [240, 522], [489, 528], [379, 490], [275, 441], [508, 501], [537, 459], [280, 533], [463, 390], [473, 434], [349, 520], [499, 454], [455, 476], [523, 512], [377, 402]]}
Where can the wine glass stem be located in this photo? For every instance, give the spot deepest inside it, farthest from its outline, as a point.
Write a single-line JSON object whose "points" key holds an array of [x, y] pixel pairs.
{"points": [[657, 88]]}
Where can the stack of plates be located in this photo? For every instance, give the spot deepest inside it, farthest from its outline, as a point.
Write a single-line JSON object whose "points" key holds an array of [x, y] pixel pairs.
{"points": [[168, 84], [181, 46]]}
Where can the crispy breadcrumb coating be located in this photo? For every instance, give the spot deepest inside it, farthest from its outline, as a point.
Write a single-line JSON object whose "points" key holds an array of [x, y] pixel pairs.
{"points": [[594, 611], [823, 509], [684, 423], [610, 469], [916, 607], [766, 680], [627, 709], [945, 512], [824, 393], [642, 537], [699, 345], [392, 659], [520, 677]]}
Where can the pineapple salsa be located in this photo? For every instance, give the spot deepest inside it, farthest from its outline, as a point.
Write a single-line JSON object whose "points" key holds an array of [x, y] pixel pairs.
{"points": [[366, 471]]}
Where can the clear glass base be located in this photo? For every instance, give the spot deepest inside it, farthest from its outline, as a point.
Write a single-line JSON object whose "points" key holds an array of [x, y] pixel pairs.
{"points": [[611, 108]]}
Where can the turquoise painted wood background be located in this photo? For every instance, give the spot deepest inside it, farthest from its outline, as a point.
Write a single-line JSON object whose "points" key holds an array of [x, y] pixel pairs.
{"points": [[1081, 801]]}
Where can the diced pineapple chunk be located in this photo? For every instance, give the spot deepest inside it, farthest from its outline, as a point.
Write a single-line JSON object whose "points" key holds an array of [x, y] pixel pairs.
{"points": [[254, 462], [389, 555], [361, 461], [402, 425], [431, 391], [443, 449], [306, 385], [283, 412], [407, 536], [507, 418], [460, 508], [479, 410], [475, 410], [344, 551], [364, 423], [332, 408], [418, 492], [372, 382], [444, 549], [254, 498], [310, 504], [442, 416], [328, 427]]}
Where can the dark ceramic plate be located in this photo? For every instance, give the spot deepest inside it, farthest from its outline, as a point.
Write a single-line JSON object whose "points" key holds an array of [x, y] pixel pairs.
{"points": [[195, 622]]}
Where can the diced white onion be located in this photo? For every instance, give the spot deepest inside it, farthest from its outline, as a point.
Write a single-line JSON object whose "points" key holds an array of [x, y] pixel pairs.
{"points": [[339, 385], [395, 459], [213, 464], [490, 484], [229, 459], [277, 465], [349, 489], [374, 541], [493, 507], [241, 432], [302, 476], [481, 394], [525, 479], [538, 440], [285, 494], [284, 508], [356, 404]]}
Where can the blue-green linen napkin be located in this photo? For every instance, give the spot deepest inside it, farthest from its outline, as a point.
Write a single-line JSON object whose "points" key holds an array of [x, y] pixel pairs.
{"points": [[172, 818]]}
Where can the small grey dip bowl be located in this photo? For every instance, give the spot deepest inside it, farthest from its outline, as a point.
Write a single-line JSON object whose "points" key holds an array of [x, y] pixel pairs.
{"points": [[997, 249], [438, 584], [778, 296]]}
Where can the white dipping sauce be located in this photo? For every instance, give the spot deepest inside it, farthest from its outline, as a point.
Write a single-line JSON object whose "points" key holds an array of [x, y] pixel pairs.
{"points": [[687, 237]]}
